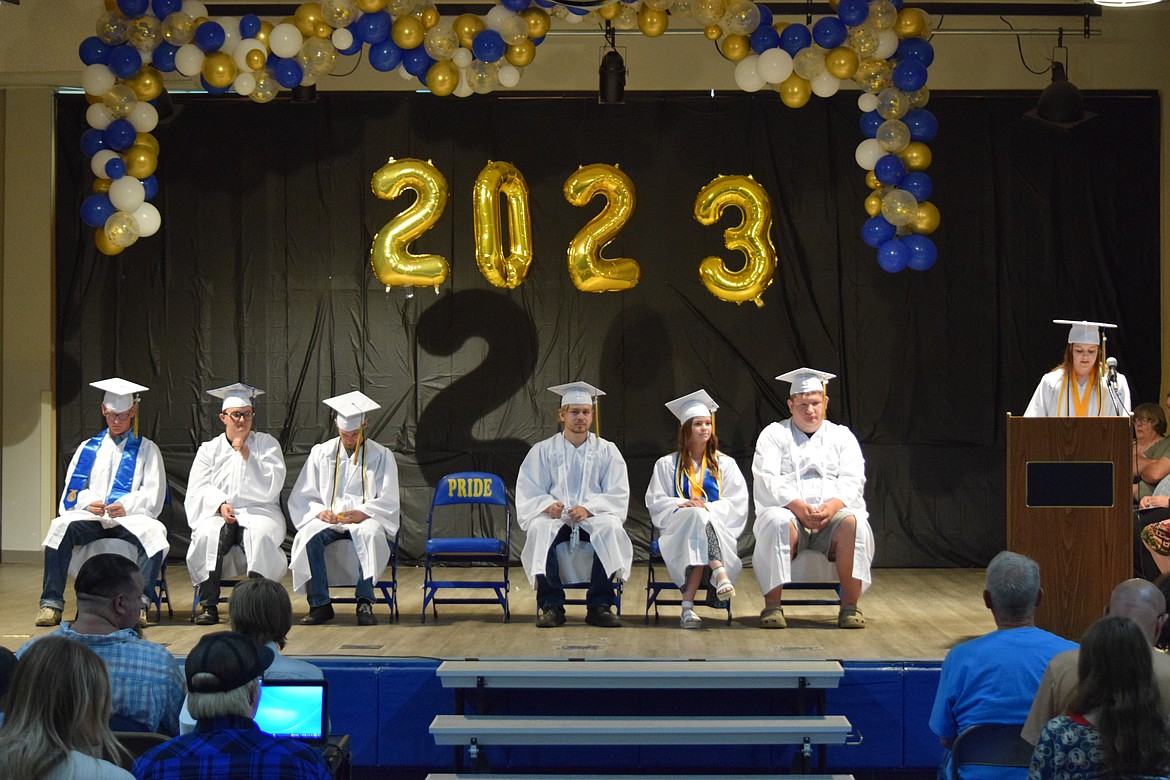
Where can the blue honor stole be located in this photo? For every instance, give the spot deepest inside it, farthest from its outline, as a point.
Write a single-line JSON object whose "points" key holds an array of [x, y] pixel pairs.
{"points": [[123, 479], [682, 482]]}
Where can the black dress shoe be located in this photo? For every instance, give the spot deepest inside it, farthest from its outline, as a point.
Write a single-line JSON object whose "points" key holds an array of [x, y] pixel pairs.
{"points": [[602, 617], [365, 614], [551, 618], [208, 615], [318, 615]]}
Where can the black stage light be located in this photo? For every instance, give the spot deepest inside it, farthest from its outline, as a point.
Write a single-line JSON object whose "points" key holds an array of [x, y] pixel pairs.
{"points": [[303, 93], [611, 85]]}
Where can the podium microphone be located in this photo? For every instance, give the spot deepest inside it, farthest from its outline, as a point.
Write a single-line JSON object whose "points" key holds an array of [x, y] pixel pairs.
{"points": [[1111, 364]]}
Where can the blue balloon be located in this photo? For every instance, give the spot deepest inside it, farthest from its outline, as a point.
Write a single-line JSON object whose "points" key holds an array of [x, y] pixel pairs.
{"points": [[765, 37], [132, 9], [210, 36], [115, 168], [829, 32], [354, 47], [917, 184], [893, 256], [164, 8], [96, 209], [210, 89], [578, 11], [794, 38], [910, 75], [877, 231], [92, 142], [515, 5], [538, 41], [373, 28], [870, 122], [923, 125], [417, 62], [124, 61], [853, 12], [249, 25], [120, 135], [385, 56], [288, 73], [897, 4], [93, 51], [766, 17], [922, 252], [487, 45], [150, 184], [889, 169], [545, 3], [915, 49], [164, 57]]}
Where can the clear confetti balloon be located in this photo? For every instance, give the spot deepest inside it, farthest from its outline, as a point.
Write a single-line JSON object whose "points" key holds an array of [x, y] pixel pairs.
{"points": [[482, 76], [682, 8], [441, 42], [318, 56], [919, 97], [892, 103], [882, 14], [809, 63], [707, 11], [144, 33], [400, 7], [120, 100], [338, 13], [112, 29], [513, 30], [863, 40], [627, 18], [178, 28], [121, 229], [660, 5], [899, 207], [893, 135], [266, 86], [742, 17], [874, 75]]}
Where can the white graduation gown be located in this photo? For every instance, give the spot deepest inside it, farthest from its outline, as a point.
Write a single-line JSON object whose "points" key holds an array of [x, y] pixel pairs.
{"points": [[682, 536], [143, 503], [220, 474], [1047, 401], [374, 492], [545, 479], [789, 465]]}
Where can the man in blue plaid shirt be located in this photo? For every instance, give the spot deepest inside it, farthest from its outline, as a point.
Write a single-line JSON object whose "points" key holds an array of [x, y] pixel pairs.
{"points": [[223, 673]]}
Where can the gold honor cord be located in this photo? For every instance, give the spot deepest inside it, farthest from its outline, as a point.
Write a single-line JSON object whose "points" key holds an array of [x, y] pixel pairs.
{"points": [[696, 482], [361, 446]]}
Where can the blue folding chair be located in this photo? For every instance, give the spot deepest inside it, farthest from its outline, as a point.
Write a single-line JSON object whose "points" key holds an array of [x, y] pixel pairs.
{"points": [[655, 586], [473, 488], [388, 588]]}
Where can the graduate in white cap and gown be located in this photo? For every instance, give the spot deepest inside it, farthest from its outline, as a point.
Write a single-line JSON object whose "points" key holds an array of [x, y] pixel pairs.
{"points": [[572, 489], [114, 489], [233, 500], [348, 489], [1081, 386], [698, 500], [809, 479]]}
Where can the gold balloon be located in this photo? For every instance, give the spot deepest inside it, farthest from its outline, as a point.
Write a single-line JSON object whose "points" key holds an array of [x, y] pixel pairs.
{"points": [[652, 23], [141, 161], [520, 54], [407, 32], [101, 186], [841, 62], [322, 30], [610, 12], [916, 156], [926, 219], [712, 32], [393, 263], [429, 17], [200, 20], [466, 26], [147, 83], [834, 3], [265, 28], [306, 17], [794, 91], [752, 236], [538, 21], [147, 140], [873, 203], [495, 180], [255, 59], [219, 69], [370, 6], [94, 99], [103, 243], [912, 23], [735, 47], [442, 78], [590, 271], [871, 181], [779, 26]]}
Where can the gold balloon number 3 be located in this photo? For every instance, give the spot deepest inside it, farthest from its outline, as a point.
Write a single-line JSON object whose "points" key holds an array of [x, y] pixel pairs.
{"points": [[752, 236], [495, 180], [589, 271], [390, 256]]}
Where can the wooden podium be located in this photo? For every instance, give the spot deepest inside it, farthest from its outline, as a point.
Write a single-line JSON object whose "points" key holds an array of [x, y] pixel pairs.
{"points": [[1069, 496]]}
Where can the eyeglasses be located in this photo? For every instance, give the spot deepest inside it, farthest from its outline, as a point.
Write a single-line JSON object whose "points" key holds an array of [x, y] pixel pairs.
{"points": [[118, 416], [241, 416]]}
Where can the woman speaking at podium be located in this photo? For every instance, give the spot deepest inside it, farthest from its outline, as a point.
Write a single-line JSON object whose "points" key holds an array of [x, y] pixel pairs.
{"points": [[1085, 384]]}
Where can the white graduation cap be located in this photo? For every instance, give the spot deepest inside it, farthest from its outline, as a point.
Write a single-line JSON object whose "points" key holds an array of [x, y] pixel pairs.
{"points": [[1084, 331], [351, 409], [120, 394], [696, 404], [576, 393], [807, 380], [236, 396]]}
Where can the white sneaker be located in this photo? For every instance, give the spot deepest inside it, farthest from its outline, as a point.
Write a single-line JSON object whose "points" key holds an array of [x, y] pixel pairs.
{"points": [[690, 620]]}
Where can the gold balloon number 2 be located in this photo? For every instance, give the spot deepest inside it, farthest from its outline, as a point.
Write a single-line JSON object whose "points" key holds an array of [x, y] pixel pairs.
{"points": [[590, 271], [752, 236], [390, 256]]}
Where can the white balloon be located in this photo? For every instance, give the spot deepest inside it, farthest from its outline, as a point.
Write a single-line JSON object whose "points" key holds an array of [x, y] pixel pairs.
{"points": [[231, 32], [513, 29], [462, 57], [98, 163], [497, 15], [463, 89], [887, 45], [774, 66], [747, 77], [148, 219], [240, 53], [194, 8], [127, 194], [98, 116], [573, 18], [144, 117], [342, 38], [97, 79], [509, 75], [867, 102], [189, 59], [244, 83], [147, 56], [285, 40], [868, 153], [825, 85]]}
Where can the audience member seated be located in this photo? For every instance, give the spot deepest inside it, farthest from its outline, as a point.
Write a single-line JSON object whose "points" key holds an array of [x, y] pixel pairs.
{"points": [[993, 678], [262, 611], [147, 681], [7, 668], [1136, 599], [223, 675], [59, 706], [1151, 449], [1115, 727]]}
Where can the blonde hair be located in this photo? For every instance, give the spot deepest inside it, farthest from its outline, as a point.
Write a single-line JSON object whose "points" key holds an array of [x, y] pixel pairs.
{"points": [[60, 701], [237, 702]]}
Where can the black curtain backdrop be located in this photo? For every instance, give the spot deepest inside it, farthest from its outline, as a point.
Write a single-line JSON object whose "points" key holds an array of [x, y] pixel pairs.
{"points": [[261, 273]]}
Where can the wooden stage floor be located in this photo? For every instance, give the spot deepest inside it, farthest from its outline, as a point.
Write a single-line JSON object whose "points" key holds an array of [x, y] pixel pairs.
{"points": [[913, 615]]}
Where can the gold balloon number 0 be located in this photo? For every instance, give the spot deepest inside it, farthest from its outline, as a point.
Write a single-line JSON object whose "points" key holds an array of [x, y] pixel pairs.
{"points": [[390, 257], [752, 236], [589, 271], [495, 180]]}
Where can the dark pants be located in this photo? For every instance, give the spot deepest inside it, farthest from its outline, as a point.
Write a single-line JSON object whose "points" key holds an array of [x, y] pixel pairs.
{"points": [[230, 535], [317, 589], [82, 532], [550, 591]]}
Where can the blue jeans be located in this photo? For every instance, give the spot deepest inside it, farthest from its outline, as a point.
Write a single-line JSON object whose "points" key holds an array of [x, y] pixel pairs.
{"points": [[550, 591], [80, 533], [317, 588]]}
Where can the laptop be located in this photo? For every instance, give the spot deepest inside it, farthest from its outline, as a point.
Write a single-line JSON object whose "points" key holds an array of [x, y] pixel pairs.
{"points": [[298, 709]]}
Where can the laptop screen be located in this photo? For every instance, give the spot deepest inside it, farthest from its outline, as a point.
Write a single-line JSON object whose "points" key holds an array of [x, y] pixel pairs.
{"points": [[294, 708]]}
